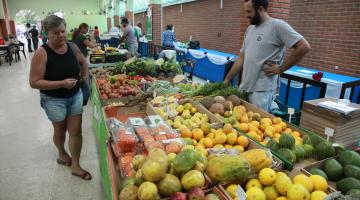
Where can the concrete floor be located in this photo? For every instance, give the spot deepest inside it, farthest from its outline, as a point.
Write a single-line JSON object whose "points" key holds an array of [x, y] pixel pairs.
{"points": [[28, 168]]}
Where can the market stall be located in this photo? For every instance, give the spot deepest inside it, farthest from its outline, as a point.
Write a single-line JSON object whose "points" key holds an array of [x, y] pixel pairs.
{"points": [[334, 82]]}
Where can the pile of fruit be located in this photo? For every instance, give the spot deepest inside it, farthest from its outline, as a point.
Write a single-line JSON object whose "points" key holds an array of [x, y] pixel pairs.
{"points": [[311, 146], [118, 86], [188, 174], [345, 171], [271, 185]]}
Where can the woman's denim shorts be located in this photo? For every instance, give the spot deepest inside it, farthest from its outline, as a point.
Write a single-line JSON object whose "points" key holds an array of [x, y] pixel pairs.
{"points": [[57, 109]]}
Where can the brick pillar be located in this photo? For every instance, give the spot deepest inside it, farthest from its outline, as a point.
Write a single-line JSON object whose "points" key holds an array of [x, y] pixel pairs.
{"points": [[4, 30], [279, 9], [108, 20], [156, 23], [12, 26], [116, 20], [130, 16]]}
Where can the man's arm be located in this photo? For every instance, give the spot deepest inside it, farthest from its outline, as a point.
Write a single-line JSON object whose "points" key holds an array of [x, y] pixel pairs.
{"points": [[300, 49], [236, 68], [122, 39]]}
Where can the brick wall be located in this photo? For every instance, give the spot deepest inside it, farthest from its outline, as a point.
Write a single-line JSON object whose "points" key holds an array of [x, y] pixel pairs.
{"points": [[142, 18], [333, 30], [216, 28], [156, 23]]}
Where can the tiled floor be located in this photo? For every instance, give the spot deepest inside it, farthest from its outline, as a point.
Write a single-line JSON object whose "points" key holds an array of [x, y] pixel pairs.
{"points": [[28, 169]]}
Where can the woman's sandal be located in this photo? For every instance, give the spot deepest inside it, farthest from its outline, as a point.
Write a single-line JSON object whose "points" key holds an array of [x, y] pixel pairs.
{"points": [[84, 175], [62, 162]]}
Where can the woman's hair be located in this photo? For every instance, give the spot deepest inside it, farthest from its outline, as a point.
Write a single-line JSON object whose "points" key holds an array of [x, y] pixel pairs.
{"points": [[96, 27], [52, 21], [77, 31], [169, 27]]}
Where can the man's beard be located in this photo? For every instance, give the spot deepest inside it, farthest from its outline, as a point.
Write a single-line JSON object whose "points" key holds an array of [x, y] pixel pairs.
{"points": [[256, 19]]}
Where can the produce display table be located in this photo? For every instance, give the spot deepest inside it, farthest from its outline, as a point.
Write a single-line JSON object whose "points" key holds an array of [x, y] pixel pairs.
{"points": [[334, 86], [210, 64]]}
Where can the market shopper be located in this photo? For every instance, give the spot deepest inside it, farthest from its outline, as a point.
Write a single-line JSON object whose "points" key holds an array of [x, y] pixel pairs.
{"points": [[81, 40], [129, 37], [169, 37], [28, 36], [97, 34], [56, 71], [35, 37], [138, 32], [262, 56]]}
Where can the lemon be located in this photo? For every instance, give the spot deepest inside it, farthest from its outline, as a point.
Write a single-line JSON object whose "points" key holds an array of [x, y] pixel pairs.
{"points": [[304, 180], [231, 189], [283, 184], [255, 194], [298, 192], [318, 195], [271, 193], [319, 183], [180, 109], [253, 183], [280, 174], [220, 138], [231, 138], [281, 198], [227, 128], [267, 176]]}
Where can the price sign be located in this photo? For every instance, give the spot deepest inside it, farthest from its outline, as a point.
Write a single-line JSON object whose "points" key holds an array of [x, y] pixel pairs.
{"points": [[240, 193]]}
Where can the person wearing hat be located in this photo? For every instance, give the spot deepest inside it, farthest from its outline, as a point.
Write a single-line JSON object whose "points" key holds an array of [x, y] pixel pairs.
{"points": [[129, 36]]}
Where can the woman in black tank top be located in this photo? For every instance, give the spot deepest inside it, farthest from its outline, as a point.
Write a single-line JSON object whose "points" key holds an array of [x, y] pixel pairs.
{"points": [[55, 71]]}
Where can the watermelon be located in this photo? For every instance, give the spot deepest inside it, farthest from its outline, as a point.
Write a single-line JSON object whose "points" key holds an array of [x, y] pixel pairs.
{"points": [[287, 154], [324, 150], [308, 150], [286, 140], [299, 152], [272, 145]]}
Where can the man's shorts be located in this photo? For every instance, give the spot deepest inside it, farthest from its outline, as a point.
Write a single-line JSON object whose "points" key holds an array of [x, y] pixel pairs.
{"points": [[262, 100], [57, 109]]}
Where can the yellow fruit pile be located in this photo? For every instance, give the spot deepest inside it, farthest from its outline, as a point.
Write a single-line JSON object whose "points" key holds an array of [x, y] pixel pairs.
{"points": [[259, 128], [225, 137], [278, 186]]}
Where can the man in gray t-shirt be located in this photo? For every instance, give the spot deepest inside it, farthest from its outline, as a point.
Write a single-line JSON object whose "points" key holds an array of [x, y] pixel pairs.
{"points": [[129, 36], [262, 56]]}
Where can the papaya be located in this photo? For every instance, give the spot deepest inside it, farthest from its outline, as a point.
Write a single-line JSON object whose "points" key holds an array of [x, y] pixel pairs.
{"points": [[185, 161], [324, 150], [258, 159], [226, 168], [169, 185], [346, 184], [129, 192], [352, 171], [349, 157]]}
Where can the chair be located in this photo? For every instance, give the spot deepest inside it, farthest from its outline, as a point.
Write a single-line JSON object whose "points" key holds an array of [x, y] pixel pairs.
{"points": [[22, 49], [5, 53]]}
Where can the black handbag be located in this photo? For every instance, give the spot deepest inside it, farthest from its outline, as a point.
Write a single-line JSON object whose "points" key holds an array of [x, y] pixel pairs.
{"points": [[83, 85], [194, 45]]}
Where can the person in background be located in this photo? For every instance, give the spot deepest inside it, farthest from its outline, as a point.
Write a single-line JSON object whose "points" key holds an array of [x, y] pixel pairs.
{"points": [[262, 56], [14, 45], [81, 41], [97, 34], [115, 31], [43, 35], [129, 36], [169, 37], [35, 37], [138, 32], [56, 70], [28, 36]]}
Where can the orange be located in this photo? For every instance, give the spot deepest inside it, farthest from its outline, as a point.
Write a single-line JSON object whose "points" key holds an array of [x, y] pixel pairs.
{"points": [[239, 148], [252, 134], [244, 127], [255, 123], [295, 134], [208, 143], [243, 141], [276, 120], [252, 127], [185, 132], [287, 130], [227, 128], [278, 128], [283, 125], [197, 134]]}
